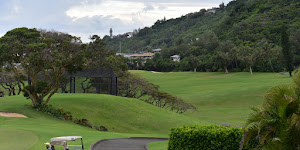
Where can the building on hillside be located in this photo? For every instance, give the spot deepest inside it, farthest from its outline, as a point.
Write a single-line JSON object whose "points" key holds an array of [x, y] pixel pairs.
{"points": [[175, 58], [129, 34], [143, 56], [213, 10], [158, 50], [126, 55]]}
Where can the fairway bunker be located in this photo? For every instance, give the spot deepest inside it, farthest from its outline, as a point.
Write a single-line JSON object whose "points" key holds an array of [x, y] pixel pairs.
{"points": [[10, 114]]}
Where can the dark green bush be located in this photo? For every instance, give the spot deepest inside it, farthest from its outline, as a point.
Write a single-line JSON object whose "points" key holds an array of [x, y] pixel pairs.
{"points": [[235, 70], [83, 122], [221, 70], [58, 113], [213, 137]]}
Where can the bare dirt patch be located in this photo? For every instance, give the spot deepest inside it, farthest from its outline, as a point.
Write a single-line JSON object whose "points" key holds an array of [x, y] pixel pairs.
{"points": [[155, 72], [9, 114]]}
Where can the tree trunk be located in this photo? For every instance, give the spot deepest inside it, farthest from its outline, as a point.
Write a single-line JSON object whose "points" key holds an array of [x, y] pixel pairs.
{"points": [[195, 69], [12, 89], [20, 88], [236, 64], [263, 63], [251, 70], [290, 72], [226, 70], [271, 65]]}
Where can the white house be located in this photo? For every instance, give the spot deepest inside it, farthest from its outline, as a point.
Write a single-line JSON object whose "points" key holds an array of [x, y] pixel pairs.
{"points": [[158, 50], [175, 58], [213, 10]]}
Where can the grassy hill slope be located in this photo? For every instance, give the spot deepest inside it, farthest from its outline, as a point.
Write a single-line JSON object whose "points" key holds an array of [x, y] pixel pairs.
{"points": [[117, 114], [121, 114], [220, 98]]}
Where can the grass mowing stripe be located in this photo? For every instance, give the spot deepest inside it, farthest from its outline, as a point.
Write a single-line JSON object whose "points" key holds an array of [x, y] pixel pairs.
{"points": [[220, 97], [17, 139], [133, 116]]}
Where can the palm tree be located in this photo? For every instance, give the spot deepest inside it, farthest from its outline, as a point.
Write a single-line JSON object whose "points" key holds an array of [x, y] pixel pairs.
{"points": [[276, 124]]}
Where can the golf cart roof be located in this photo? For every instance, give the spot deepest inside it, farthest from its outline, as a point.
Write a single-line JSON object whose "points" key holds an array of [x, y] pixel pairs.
{"points": [[65, 138]]}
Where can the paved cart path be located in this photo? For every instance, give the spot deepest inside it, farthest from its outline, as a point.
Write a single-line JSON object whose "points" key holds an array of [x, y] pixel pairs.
{"points": [[138, 143]]}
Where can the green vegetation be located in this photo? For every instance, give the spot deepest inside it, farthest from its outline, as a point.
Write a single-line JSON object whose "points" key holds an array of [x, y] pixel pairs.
{"points": [[286, 50], [136, 118], [244, 26], [241, 21], [205, 138], [134, 86], [17, 139], [120, 114], [158, 145], [39, 55], [243, 36], [276, 122], [219, 97], [46, 57]]}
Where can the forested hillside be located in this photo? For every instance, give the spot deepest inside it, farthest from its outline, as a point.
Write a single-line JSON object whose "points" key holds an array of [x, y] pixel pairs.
{"points": [[242, 25]]}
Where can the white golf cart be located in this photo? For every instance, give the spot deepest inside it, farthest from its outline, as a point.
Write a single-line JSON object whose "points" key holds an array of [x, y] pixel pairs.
{"points": [[63, 141]]}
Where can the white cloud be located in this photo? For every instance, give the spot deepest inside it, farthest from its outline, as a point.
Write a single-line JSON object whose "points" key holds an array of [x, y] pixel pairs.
{"points": [[131, 11], [16, 8], [83, 18], [1, 34], [114, 9]]}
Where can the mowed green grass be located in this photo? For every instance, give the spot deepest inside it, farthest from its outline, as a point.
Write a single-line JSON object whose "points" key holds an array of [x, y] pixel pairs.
{"points": [[129, 117], [219, 97], [119, 114], [163, 145]]}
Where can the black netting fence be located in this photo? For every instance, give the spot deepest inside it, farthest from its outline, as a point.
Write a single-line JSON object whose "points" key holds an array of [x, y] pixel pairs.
{"points": [[89, 85]]}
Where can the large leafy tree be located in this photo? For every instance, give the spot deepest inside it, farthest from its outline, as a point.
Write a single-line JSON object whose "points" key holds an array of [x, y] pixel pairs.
{"points": [[234, 53], [269, 52], [194, 62], [96, 52], [277, 123], [224, 56], [295, 42], [44, 56], [248, 56]]}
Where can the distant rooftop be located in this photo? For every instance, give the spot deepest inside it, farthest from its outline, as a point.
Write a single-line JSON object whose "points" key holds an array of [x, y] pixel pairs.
{"points": [[143, 55], [157, 50]]}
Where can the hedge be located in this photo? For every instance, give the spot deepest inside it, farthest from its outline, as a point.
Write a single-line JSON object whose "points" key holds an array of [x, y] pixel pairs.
{"points": [[213, 137]]}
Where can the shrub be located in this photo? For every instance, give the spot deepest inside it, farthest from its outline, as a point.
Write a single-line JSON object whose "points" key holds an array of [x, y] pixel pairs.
{"points": [[221, 70], [58, 113], [236, 70], [205, 138], [276, 122], [83, 122]]}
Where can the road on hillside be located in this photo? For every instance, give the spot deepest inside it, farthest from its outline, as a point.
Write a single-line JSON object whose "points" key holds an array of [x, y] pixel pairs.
{"points": [[125, 143]]}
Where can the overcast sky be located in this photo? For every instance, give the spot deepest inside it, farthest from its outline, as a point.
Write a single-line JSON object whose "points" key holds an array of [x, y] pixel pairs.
{"points": [[83, 18]]}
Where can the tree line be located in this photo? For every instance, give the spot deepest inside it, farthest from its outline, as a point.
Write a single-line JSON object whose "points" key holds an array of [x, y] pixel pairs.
{"points": [[247, 24], [44, 57], [35, 62], [211, 54]]}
